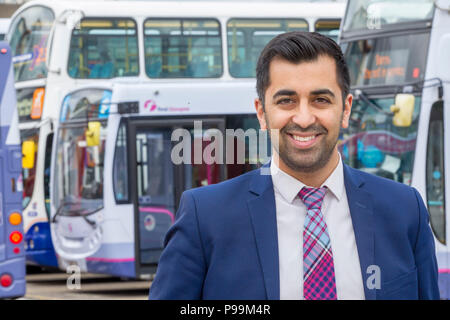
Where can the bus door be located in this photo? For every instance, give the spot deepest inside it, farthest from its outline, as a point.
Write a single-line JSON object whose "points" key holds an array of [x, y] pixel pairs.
{"points": [[167, 157]]}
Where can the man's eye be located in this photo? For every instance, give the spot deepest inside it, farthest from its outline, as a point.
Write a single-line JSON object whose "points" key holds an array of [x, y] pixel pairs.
{"points": [[284, 101], [322, 100]]}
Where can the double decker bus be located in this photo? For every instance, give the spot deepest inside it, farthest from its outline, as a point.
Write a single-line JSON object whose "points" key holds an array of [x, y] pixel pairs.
{"points": [[123, 156], [59, 46], [12, 255], [396, 53]]}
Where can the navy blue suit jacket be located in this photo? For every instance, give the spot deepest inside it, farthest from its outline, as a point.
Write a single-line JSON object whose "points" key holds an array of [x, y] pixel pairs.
{"points": [[224, 243]]}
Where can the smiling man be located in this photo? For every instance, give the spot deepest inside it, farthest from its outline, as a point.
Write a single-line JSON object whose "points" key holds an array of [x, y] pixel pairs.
{"points": [[314, 228]]}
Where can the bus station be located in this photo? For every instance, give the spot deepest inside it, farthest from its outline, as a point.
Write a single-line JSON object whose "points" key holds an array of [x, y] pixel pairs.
{"points": [[97, 99]]}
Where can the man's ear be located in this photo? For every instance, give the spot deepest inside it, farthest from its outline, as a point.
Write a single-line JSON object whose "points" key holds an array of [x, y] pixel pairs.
{"points": [[260, 114], [347, 111]]}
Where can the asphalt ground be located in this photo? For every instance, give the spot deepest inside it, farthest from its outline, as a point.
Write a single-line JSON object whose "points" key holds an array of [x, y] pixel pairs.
{"points": [[57, 285]]}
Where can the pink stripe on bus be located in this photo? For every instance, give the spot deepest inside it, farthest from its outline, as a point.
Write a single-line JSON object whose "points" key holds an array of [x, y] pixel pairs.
{"points": [[157, 210], [444, 270], [110, 260]]}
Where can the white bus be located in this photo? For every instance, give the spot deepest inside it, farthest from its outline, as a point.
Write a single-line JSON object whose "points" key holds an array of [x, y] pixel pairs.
{"points": [[63, 45], [400, 72], [116, 180]]}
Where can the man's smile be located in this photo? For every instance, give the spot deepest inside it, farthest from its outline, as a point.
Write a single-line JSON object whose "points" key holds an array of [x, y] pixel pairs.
{"points": [[304, 140]]}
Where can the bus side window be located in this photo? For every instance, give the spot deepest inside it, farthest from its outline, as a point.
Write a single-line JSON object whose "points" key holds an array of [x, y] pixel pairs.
{"points": [[120, 169], [435, 176], [48, 153]]}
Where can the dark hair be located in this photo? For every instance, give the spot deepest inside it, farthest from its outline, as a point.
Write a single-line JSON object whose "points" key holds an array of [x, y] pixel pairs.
{"points": [[296, 47]]}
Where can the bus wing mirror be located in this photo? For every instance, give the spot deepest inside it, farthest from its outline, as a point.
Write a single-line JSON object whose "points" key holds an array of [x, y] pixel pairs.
{"points": [[28, 154], [403, 110], [93, 134]]}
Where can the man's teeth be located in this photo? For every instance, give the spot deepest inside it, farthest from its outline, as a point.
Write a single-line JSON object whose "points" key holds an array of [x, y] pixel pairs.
{"points": [[303, 139]]}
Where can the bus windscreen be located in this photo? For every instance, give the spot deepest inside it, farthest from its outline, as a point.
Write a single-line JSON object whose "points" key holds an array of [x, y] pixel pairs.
{"points": [[79, 168], [376, 14], [388, 60], [28, 40]]}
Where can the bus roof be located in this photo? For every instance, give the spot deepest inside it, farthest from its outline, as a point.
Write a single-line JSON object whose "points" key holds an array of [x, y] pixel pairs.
{"points": [[248, 9]]}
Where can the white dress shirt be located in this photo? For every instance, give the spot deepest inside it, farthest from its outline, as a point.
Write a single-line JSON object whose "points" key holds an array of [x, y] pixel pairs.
{"points": [[291, 213]]}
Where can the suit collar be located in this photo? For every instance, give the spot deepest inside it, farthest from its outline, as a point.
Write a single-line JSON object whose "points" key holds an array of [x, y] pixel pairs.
{"points": [[261, 180]]}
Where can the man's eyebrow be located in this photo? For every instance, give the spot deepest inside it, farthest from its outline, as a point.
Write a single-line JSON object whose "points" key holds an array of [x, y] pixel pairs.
{"points": [[284, 92], [322, 91]]}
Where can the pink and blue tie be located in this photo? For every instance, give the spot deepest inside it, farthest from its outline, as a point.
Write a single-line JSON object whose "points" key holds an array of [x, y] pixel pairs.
{"points": [[318, 267]]}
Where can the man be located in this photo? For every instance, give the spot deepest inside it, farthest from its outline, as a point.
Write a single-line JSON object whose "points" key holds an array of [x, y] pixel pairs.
{"points": [[313, 228]]}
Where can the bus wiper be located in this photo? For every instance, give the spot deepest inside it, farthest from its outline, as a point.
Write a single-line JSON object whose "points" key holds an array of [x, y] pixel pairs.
{"points": [[59, 209], [359, 94], [58, 212], [93, 224]]}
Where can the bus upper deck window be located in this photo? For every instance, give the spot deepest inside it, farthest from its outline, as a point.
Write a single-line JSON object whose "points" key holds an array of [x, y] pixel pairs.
{"points": [[103, 49], [182, 48], [247, 37], [329, 28]]}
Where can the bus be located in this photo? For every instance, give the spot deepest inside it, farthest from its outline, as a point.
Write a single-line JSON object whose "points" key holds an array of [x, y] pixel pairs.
{"points": [[12, 254], [396, 53], [59, 46], [123, 156]]}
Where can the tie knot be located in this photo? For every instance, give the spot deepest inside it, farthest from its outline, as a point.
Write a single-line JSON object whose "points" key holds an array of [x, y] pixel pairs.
{"points": [[312, 197]]}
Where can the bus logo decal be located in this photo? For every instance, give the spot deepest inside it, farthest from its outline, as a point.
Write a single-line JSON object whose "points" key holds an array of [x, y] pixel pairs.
{"points": [[22, 58], [151, 104], [149, 222]]}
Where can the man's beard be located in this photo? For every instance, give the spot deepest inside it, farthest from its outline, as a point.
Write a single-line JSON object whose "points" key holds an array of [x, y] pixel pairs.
{"points": [[309, 160]]}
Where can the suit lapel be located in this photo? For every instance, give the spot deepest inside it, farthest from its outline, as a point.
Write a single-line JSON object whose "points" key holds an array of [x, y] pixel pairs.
{"points": [[361, 211], [262, 211]]}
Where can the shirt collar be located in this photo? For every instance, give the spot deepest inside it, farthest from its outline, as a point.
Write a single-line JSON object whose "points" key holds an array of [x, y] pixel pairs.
{"points": [[289, 187]]}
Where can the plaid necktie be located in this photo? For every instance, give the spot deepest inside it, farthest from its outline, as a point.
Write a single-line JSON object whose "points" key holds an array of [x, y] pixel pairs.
{"points": [[318, 267]]}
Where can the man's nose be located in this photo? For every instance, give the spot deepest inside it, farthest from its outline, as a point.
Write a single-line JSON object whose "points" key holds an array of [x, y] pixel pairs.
{"points": [[304, 115]]}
